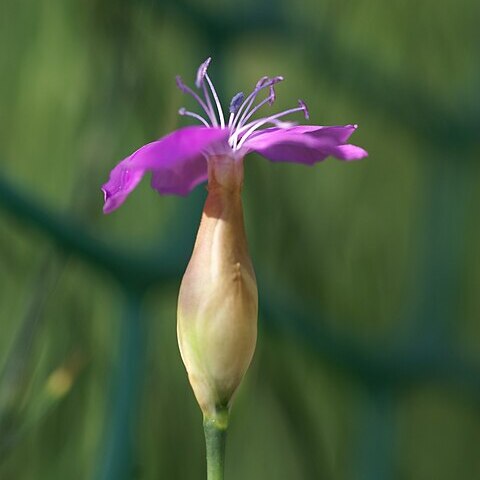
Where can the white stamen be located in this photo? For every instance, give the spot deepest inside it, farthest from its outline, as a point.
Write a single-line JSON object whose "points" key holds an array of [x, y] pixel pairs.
{"points": [[282, 124], [251, 127], [254, 110], [217, 101], [264, 82], [211, 115], [241, 109], [185, 89], [182, 111], [247, 103]]}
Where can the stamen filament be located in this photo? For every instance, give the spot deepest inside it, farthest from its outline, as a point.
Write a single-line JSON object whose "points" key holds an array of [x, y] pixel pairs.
{"points": [[186, 113], [281, 124], [212, 115], [217, 101], [186, 89], [250, 99], [252, 126], [253, 95], [253, 111]]}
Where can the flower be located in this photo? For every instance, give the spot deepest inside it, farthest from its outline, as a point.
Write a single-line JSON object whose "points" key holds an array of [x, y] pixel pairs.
{"points": [[218, 299], [178, 161]]}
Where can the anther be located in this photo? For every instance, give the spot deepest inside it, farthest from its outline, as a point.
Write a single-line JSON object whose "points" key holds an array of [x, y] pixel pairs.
{"points": [[272, 96], [236, 101], [180, 84], [202, 71], [262, 82], [304, 107], [276, 79]]}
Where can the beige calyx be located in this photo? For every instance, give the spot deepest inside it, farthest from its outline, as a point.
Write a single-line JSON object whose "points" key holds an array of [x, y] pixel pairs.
{"points": [[218, 300]]}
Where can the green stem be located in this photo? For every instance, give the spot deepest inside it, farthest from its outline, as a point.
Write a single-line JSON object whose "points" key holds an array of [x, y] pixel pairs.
{"points": [[215, 428]]}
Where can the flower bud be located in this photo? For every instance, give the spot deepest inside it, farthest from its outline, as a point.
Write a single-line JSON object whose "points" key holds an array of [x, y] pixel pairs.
{"points": [[218, 300]]}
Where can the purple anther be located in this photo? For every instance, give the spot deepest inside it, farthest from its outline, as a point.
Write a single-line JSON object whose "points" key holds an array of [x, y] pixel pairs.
{"points": [[304, 107], [263, 81], [202, 71], [236, 101], [276, 79], [272, 96], [180, 84]]}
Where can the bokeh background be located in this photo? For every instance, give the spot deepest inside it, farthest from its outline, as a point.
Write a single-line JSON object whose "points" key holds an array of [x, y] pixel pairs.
{"points": [[368, 359]]}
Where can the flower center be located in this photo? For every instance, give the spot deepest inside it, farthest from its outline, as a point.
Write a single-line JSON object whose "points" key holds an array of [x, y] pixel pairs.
{"points": [[241, 108]]}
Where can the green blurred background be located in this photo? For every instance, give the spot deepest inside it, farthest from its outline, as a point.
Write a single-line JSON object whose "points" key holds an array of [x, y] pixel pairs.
{"points": [[368, 359]]}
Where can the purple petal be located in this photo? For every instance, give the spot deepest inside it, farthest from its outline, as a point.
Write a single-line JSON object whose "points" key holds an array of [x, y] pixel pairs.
{"points": [[338, 134], [331, 135], [123, 179], [176, 160], [347, 152], [305, 144]]}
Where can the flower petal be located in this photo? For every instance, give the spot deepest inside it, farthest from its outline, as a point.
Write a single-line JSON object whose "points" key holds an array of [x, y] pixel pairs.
{"points": [[305, 144], [347, 152], [176, 160], [338, 134]]}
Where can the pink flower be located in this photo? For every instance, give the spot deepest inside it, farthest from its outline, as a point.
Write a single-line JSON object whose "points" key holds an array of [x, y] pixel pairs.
{"points": [[178, 161], [218, 300]]}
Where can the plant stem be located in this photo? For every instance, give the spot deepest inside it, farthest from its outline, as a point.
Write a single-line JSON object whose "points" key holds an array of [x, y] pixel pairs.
{"points": [[215, 428]]}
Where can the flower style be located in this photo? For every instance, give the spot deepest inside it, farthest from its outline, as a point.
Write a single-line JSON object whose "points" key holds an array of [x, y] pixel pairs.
{"points": [[218, 299], [178, 161]]}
